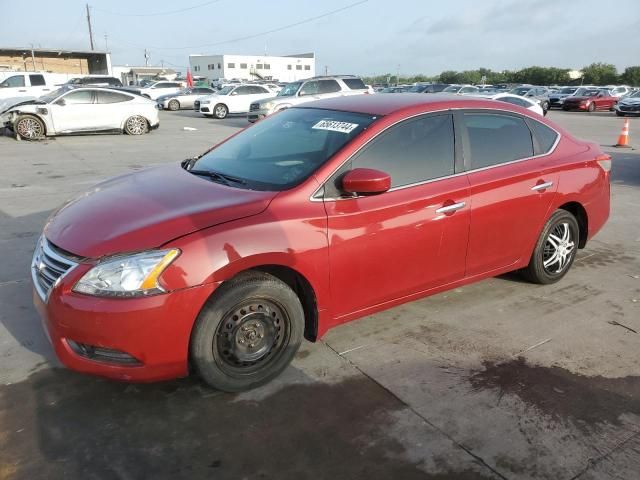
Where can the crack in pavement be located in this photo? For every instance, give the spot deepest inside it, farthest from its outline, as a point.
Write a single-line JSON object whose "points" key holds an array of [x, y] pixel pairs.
{"points": [[467, 450], [595, 461]]}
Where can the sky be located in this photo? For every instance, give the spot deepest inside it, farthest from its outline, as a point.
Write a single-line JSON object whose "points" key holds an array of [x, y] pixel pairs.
{"points": [[362, 37]]}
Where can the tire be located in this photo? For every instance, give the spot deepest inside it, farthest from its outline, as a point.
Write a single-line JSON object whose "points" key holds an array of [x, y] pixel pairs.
{"points": [[220, 111], [173, 105], [566, 109], [613, 107], [136, 125], [591, 107], [560, 231], [247, 333], [29, 127], [545, 107], [619, 113]]}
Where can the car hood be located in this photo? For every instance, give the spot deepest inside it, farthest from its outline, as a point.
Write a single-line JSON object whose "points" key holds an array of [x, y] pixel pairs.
{"points": [[630, 101], [577, 99], [146, 209], [7, 104]]}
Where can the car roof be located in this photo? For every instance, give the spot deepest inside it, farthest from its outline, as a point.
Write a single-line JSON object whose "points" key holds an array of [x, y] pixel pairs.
{"points": [[388, 104]]}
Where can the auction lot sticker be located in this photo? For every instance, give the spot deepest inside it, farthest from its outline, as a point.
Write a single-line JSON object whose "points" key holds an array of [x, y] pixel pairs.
{"points": [[334, 126]]}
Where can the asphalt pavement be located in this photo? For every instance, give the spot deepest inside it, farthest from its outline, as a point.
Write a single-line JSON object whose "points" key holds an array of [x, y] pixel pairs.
{"points": [[497, 380]]}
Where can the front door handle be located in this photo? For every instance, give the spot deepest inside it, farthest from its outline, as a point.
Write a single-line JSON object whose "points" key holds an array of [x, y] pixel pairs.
{"points": [[542, 186], [451, 208]]}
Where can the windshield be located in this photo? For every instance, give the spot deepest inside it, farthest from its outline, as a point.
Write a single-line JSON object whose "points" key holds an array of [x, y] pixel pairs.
{"points": [[417, 89], [568, 91], [590, 93], [520, 91], [283, 150], [452, 89], [50, 97], [225, 90], [635, 94], [289, 89]]}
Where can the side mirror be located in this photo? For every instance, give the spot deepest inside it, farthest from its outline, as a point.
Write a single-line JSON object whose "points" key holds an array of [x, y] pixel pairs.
{"points": [[61, 102], [366, 181], [234, 93]]}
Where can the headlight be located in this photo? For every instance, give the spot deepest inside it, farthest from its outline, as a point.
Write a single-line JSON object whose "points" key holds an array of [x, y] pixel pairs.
{"points": [[127, 276], [267, 105], [205, 102]]}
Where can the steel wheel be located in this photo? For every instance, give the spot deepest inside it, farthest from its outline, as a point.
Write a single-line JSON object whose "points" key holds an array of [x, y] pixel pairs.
{"points": [[220, 111], [558, 249], [136, 125], [247, 332], [251, 336], [29, 127], [174, 105]]}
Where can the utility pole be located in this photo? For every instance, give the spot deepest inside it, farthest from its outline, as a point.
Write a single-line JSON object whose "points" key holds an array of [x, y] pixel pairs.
{"points": [[146, 58], [89, 23], [33, 58], [326, 70], [106, 42]]}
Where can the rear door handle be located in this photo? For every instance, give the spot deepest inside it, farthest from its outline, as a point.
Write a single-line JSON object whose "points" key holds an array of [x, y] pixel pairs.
{"points": [[451, 208], [542, 186]]}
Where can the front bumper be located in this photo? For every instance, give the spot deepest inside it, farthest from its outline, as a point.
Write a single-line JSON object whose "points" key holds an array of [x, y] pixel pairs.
{"points": [[256, 115], [628, 110], [574, 106], [153, 331]]}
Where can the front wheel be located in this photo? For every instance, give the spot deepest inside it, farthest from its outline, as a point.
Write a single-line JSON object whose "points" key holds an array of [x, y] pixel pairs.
{"points": [[29, 127], [174, 105], [555, 250], [619, 113], [247, 333], [136, 125], [220, 111]]}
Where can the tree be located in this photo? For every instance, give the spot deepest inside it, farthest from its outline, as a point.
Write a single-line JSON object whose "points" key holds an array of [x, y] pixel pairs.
{"points": [[631, 76], [600, 74]]}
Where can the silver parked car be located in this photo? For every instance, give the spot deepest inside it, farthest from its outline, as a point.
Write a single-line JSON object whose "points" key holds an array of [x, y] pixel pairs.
{"points": [[183, 99]]}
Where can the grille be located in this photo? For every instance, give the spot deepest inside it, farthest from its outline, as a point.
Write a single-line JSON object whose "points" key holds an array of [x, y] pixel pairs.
{"points": [[254, 107], [49, 264], [629, 108]]}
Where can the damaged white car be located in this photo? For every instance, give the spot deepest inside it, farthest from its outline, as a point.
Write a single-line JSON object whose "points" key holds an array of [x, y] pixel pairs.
{"points": [[81, 110]]}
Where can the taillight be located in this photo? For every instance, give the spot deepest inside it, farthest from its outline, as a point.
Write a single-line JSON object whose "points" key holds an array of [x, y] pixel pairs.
{"points": [[604, 161]]}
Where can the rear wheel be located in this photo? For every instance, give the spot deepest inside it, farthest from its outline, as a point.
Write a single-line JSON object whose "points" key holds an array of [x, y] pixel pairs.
{"points": [[174, 105], [136, 125], [613, 107], [592, 107], [555, 250], [29, 127], [247, 333], [220, 111]]}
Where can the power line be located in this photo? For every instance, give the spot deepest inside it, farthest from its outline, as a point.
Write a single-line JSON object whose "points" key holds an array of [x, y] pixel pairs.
{"points": [[248, 37], [157, 13]]}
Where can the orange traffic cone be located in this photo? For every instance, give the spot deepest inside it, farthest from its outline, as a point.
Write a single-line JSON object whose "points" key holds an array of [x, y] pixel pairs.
{"points": [[623, 139]]}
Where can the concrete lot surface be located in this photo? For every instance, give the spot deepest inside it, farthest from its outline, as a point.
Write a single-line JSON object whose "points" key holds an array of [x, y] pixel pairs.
{"points": [[498, 380]]}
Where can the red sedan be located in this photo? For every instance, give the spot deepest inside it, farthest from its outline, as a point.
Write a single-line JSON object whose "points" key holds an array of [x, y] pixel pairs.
{"points": [[591, 100], [310, 218]]}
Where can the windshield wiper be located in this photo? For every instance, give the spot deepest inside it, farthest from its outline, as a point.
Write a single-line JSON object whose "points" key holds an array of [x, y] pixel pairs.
{"points": [[217, 176]]}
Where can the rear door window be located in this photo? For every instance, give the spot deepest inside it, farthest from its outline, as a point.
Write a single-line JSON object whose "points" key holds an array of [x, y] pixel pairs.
{"points": [[354, 83], [37, 80], [496, 138], [546, 136], [112, 97], [328, 86]]}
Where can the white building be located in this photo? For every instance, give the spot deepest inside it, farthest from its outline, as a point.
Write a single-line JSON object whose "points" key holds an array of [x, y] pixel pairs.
{"points": [[254, 67]]}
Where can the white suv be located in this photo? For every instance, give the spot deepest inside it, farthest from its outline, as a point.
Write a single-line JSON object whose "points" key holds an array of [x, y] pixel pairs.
{"points": [[161, 88], [303, 91], [234, 98]]}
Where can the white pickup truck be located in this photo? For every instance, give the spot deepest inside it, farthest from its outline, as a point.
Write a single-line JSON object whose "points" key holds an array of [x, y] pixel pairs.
{"points": [[29, 84]]}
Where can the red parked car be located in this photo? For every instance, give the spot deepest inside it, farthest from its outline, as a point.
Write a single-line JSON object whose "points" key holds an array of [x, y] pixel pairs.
{"points": [[591, 100], [310, 218]]}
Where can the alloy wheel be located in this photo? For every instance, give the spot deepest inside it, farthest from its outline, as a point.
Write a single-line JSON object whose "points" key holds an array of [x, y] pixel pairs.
{"points": [[558, 249], [29, 128], [136, 125]]}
